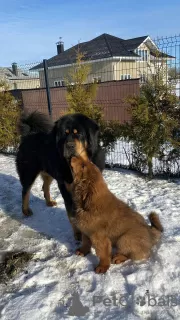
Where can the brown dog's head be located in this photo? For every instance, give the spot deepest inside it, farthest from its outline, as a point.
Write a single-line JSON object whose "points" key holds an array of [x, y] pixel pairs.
{"points": [[86, 181], [84, 169]]}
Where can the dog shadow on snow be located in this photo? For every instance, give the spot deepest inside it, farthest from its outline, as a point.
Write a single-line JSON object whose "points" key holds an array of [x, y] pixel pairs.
{"points": [[51, 222]]}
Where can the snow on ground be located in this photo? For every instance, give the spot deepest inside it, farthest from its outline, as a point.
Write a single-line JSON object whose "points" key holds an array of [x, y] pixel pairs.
{"points": [[45, 289]]}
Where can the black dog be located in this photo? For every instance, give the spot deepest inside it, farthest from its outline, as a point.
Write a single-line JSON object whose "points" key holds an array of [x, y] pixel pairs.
{"points": [[46, 148]]}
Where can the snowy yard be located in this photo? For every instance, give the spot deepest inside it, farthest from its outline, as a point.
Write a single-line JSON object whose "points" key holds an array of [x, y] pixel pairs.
{"points": [[44, 290]]}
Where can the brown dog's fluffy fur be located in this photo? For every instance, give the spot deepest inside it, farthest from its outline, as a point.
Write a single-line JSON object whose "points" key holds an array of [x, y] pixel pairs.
{"points": [[106, 221]]}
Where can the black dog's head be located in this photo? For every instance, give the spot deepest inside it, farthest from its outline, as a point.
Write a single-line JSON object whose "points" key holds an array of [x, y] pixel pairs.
{"points": [[76, 135]]}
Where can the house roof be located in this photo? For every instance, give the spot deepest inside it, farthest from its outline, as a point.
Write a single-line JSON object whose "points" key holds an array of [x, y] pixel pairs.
{"points": [[134, 43], [159, 54], [102, 47], [7, 74]]}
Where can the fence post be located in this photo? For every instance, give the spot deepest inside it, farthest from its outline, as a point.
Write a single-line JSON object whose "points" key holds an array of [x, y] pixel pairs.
{"points": [[48, 92]]}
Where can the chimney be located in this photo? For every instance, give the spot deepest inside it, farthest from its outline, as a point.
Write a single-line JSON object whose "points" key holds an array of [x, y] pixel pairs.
{"points": [[60, 46], [15, 69]]}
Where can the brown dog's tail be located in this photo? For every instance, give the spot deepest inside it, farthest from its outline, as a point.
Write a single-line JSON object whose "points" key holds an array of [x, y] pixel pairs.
{"points": [[155, 222], [156, 226]]}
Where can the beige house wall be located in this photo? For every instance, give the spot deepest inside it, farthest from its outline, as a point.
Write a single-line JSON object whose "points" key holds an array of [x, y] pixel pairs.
{"points": [[24, 83], [125, 67], [152, 64], [134, 68], [102, 69], [138, 68], [55, 74]]}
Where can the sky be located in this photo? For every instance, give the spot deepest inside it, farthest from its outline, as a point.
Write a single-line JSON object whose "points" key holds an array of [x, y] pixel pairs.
{"points": [[29, 30]]}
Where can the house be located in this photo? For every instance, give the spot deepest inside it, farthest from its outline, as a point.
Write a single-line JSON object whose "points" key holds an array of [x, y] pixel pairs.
{"points": [[111, 59], [16, 78]]}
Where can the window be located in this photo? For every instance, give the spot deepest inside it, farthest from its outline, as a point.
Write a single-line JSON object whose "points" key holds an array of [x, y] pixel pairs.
{"points": [[15, 85], [145, 55], [97, 79], [142, 53], [8, 74], [125, 76], [59, 83]]}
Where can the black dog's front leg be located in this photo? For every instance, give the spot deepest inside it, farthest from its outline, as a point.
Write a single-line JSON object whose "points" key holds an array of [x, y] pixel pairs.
{"points": [[70, 208]]}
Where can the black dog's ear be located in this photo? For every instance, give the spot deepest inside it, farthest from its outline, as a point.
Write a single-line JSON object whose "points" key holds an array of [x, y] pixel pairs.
{"points": [[57, 129], [54, 130], [92, 125], [93, 136], [92, 129]]}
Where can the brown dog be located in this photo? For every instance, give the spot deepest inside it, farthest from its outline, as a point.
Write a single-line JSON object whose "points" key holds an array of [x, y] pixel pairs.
{"points": [[106, 221]]}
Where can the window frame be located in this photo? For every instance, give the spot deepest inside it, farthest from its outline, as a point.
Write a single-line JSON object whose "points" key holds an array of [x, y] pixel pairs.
{"points": [[125, 76], [59, 83], [97, 79]]}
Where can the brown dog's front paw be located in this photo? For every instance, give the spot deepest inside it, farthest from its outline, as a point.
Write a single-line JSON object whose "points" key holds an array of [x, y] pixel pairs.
{"points": [[51, 203], [27, 212], [118, 258], [101, 269], [79, 253], [82, 252]]}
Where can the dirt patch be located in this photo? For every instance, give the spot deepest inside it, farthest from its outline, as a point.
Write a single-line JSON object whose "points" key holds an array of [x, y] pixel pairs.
{"points": [[12, 263]]}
